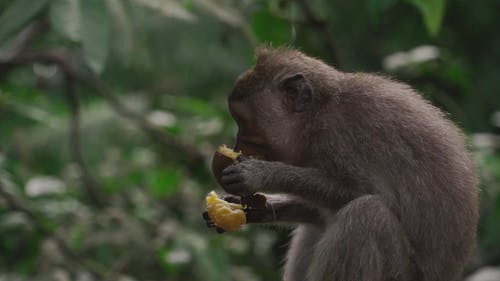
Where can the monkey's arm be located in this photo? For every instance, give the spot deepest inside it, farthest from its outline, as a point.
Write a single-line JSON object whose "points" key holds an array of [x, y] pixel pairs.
{"points": [[314, 185], [279, 208], [282, 209]]}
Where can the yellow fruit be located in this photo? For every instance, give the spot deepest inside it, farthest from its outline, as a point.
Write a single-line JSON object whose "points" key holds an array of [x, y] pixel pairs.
{"points": [[223, 157], [228, 152], [226, 215]]}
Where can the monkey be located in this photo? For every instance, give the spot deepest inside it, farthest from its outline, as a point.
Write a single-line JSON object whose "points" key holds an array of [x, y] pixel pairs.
{"points": [[378, 182]]}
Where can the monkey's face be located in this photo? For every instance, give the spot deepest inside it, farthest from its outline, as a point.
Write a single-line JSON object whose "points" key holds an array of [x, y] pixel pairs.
{"points": [[253, 136], [269, 113]]}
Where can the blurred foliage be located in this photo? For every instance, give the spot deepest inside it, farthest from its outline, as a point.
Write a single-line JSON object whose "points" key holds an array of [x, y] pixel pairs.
{"points": [[147, 103]]}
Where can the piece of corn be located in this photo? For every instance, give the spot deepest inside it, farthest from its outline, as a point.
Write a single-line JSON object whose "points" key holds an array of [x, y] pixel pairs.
{"points": [[226, 215]]}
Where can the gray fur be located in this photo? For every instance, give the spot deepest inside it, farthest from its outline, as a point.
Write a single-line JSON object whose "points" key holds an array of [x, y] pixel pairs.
{"points": [[383, 176]]}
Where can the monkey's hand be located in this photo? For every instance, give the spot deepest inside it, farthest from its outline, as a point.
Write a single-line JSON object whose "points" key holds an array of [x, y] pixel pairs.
{"points": [[246, 177], [278, 208], [231, 221]]}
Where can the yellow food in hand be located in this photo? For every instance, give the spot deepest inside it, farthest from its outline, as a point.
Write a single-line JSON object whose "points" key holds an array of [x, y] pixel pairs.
{"points": [[228, 152], [226, 215]]}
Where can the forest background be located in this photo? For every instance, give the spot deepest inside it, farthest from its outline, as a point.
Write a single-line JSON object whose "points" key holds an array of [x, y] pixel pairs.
{"points": [[110, 111]]}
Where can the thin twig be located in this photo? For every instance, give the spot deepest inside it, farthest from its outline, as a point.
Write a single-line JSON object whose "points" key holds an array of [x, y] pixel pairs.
{"points": [[20, 43], [190, 152], [91, 185], [119, 265], [23, 39], [195, 161], [14, 204], [322, 26]]}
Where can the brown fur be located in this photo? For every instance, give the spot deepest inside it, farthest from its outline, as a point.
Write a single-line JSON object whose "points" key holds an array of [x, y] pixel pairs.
{"points": [[379, 180]]}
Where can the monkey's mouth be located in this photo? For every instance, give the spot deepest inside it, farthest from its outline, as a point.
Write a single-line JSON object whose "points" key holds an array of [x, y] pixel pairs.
{"points": [[251, 146]]}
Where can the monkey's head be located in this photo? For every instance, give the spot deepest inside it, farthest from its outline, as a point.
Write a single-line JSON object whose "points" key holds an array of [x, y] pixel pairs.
{"points": [[276, 105], [274, 102]]}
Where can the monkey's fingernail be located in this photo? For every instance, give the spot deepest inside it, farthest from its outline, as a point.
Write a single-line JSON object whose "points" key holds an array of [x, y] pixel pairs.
{"points": [[231, 199], [242, 158], [228, 171]]}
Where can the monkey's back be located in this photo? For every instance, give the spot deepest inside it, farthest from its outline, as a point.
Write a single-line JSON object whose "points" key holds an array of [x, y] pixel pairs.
{"points": [[390, 142], [416, 158]]}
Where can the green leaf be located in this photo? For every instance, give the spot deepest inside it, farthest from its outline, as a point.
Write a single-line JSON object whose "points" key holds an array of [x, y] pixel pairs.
{"points": [[65, 17], [376, 8], [269, 28], [163, 182], [188, 5], [18, 14], [171, 269], [123, 31], [76, 236], [175, 130], [432, 12], [95, 31]]}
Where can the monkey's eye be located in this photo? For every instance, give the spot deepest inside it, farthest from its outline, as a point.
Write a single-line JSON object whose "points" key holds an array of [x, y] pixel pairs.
{"points": [[298, 92]]}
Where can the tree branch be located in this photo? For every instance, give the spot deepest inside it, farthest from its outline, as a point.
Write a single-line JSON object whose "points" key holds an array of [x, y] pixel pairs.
{"points": [[14, 204], [195, 161], [91, 185], [19, 44]]}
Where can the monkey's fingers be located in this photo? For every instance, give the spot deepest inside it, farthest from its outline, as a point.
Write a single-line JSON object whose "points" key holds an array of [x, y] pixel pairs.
{"points": [[242, 158], [205, 216], [232, 169], [208, 221], [231, 179], [232, 199], [211, 224]]}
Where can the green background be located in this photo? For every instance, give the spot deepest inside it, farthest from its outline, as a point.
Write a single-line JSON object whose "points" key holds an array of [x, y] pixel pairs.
{"points": [[110, 111]]}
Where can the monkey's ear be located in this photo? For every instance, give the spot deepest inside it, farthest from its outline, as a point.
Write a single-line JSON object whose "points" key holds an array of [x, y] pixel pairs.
{"points": [[298, 92]]}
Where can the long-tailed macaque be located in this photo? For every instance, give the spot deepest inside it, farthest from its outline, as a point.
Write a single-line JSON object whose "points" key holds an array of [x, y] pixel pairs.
{"points": [[378, 181]]}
